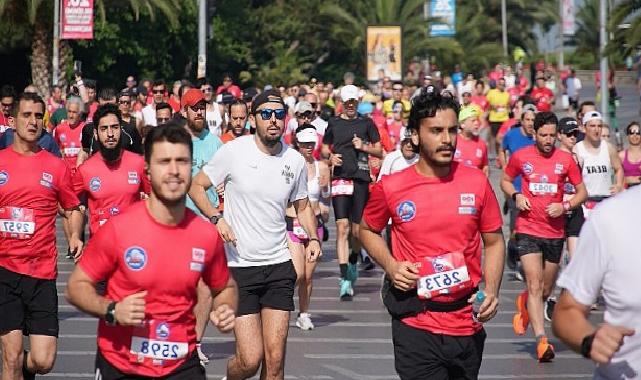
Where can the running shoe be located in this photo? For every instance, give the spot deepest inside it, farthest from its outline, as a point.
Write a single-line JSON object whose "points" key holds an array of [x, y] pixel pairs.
{"points": [[204, 360], [544, 350], [304, 321], [521, 319], [352, 273], [346, 292], [70, 255], [548, 308]]}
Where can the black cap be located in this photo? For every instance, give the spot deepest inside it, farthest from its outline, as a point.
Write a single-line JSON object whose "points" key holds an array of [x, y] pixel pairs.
{"points": [[249, 94], [268, 96], [568, 124]]}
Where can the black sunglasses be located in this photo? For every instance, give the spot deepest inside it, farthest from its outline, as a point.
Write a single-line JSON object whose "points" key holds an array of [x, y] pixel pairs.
{"points": [[572, 134], [267, 113], [638, 133]]}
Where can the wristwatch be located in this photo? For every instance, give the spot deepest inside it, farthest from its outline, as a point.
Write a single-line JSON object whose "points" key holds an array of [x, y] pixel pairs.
{"points": [[110, 316], [514, 195], [586, 346], [215, 219]]}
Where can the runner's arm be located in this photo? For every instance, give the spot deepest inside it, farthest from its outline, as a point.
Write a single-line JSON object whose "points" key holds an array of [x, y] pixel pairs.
{"points": [[619, 177], [226, 296], [375, 149], [376, 246], [580, 196], [494, 260], [570, 322], [325, 151], [81, 292], [306, 217], [198, 194], [507, 186]]}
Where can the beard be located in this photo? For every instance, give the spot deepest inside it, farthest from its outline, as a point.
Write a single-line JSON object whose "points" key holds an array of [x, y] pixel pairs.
{"points": [[110, 154], [169, 201]]}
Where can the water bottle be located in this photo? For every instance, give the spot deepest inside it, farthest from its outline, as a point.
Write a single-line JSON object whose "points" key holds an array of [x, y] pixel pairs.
{"points": [[476, 305]]}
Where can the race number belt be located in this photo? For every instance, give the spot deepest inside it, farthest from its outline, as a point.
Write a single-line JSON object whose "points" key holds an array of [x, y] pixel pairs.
{"points": [[444, 274], [17, 223], [159, 341], [298, 230], [342, 186], [543, 188]]}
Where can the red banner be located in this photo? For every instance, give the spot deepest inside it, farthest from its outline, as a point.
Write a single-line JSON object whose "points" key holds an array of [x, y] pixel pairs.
{"points": [[76, 20]]}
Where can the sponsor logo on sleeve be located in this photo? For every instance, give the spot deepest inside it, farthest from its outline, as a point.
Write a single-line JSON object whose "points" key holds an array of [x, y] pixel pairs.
{"points": [[4, 177], [198, 255], [47, 180], [468, 199], [406, 211], [479, 153], [528, 168], [196, 267], [94, 184], [558, 168], [132, 178], [135, 258]]}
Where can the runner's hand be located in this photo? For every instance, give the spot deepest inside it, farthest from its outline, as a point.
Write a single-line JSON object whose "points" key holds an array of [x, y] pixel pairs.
{"points": [[555, 210], [223, 318], [488, 308], [357, 142], [614, 189], [75, 246], [313, 251], [522, 203], [130, 311], [404, 275], [336, 159], [608, 339], [226, 232]]}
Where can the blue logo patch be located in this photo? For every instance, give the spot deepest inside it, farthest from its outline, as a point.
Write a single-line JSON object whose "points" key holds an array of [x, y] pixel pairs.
{"points": [[4, 178], [94, 184], [135, 258], [528, 168], [114, 211], [162, 331], [406, 211]]}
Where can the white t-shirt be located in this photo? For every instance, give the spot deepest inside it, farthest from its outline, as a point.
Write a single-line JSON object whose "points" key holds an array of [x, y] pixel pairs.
{"points": [[608, 258], [395, 162], [214, 120], [320, 125], [258, 188], [149, 115]]}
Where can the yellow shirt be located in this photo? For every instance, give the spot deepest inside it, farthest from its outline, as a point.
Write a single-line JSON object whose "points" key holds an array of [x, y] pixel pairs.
{"points": [[499, 105], [389, 103]]}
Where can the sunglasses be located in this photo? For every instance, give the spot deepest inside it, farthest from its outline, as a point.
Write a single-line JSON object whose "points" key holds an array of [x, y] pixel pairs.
{"points": [[572, 134], [638, 133], [123, 102], [207, 89], [198, 107], [158, 91], [307, 115], [266, 114], [7, 105]]}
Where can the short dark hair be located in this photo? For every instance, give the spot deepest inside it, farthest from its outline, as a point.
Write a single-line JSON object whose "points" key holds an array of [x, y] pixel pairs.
{"points": [[158, 82], [107, 93], [171, 132], [427, 103], [27, 96], [162, 106], [104, 110], [90, 83], [586, 103], [202, 82], [238, 103], [543, 118], [7, 91]]}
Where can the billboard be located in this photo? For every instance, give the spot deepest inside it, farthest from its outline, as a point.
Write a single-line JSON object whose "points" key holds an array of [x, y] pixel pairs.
{"points": [[76, 20], [384, 52], [567, 16], [445, 11]]}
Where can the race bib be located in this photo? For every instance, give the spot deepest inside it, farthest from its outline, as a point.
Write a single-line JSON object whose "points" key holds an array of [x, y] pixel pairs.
{"points": [[71, 151], [543, 188], [443, 274], [299, 231], [342, 187], [17, 223], [159, 341]]}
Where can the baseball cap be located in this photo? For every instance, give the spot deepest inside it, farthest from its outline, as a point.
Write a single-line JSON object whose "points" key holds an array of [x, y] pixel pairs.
{"points": [[249, 93], [406, 133], [365, 108], [303, 106], [192, 97], [530, 107], [307, 135], [568, 124], [467, 112], [270, 96], [592, 115], [349, 92]]}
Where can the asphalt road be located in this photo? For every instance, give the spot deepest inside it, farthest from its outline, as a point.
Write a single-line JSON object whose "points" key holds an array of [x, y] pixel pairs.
{"points": [[352, 340]]}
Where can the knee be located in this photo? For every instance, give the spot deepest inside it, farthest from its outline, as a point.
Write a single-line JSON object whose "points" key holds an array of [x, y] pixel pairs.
{"points": [[535, 286], [42, 361], [12, 359], [342, 229], [274, 363], [249, 365], [356, 232]]}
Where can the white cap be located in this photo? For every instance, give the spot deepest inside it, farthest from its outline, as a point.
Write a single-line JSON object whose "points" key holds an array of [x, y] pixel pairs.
{"points": [[307, 135], [303, 106], [349, 92], [592, 115]]}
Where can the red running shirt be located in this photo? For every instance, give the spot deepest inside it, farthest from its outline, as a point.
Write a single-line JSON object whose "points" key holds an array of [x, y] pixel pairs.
{"points": [[135, 253], [30, 189], [110, 189], [434, 216], [543, 183], [69, 141], [543, 97], [471, 152]]}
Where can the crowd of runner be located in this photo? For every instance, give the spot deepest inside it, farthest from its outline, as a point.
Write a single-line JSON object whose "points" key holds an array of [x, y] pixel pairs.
{"points": [[209, 203]]}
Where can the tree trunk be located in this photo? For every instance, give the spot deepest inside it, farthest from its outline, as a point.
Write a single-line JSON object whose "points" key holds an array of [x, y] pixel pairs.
{"points": [[66, 62], [40, 54]]}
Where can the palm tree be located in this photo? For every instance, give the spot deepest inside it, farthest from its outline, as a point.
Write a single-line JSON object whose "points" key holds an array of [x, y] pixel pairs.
{"points": [[587, 33], [629, 12], [37, 16]]}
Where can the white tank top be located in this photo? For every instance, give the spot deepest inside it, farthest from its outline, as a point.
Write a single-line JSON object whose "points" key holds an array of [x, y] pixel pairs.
{"points": [[313, 185], [597, 169]]}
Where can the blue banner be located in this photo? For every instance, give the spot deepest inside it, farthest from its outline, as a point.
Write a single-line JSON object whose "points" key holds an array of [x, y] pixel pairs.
{"points": [[445, 11]]}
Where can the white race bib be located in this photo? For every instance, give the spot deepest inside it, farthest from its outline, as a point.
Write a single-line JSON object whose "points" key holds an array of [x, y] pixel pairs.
{"points": [[16, 227], [443, 280], [342, 187], [71, 151], [543, 188], [158, 349]]}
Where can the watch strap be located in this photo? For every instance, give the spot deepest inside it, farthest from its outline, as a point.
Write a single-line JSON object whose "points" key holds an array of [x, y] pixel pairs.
{"points": [[586, 346]]}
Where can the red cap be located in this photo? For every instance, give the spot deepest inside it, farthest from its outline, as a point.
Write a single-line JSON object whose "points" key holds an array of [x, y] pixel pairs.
{"points": [[235, 91], [192, 97]]}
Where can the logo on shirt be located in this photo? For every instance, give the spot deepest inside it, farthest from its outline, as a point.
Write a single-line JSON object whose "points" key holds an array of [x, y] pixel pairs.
{"points": [[4, 178], [440, 264], [288, 174], [468, 199], [528, 168], [198, 255], [135, 258], [132, 178], [16, 213], [479, 153], [162, 331], [63, 137], [94, 184], [406, 211], [457, 154], [544, 178], [114, 211], [558, 168], [196, 267], [47, 180]]}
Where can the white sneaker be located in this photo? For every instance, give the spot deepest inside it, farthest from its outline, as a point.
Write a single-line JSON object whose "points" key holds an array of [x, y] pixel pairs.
{"points": [[304, 321], [204, 360]]}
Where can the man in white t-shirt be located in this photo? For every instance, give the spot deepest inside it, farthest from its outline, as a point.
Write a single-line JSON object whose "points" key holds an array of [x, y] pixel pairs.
{"points": [[261, 176], [400, 159], [159, 90], [606, 262]]}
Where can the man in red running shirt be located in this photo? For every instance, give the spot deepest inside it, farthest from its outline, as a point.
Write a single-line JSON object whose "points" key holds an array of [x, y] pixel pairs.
{"points": [[114, 179], [152, 257], [470, 150], [441, 212], [543, 97], [540, 224], [32, 184]]}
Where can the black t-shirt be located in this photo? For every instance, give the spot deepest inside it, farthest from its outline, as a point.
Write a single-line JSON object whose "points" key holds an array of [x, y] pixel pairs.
{"points": [[339, 135], [131, 139]]}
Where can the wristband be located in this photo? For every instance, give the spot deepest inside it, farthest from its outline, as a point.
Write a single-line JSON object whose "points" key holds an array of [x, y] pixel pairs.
{"points": [[586, 346], [514, 195], [80, 83], [316, 240], [566, 205]]}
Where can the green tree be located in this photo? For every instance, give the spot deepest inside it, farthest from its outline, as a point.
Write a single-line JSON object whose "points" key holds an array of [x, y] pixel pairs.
{"points": [[627, 11], [587, 32]]}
